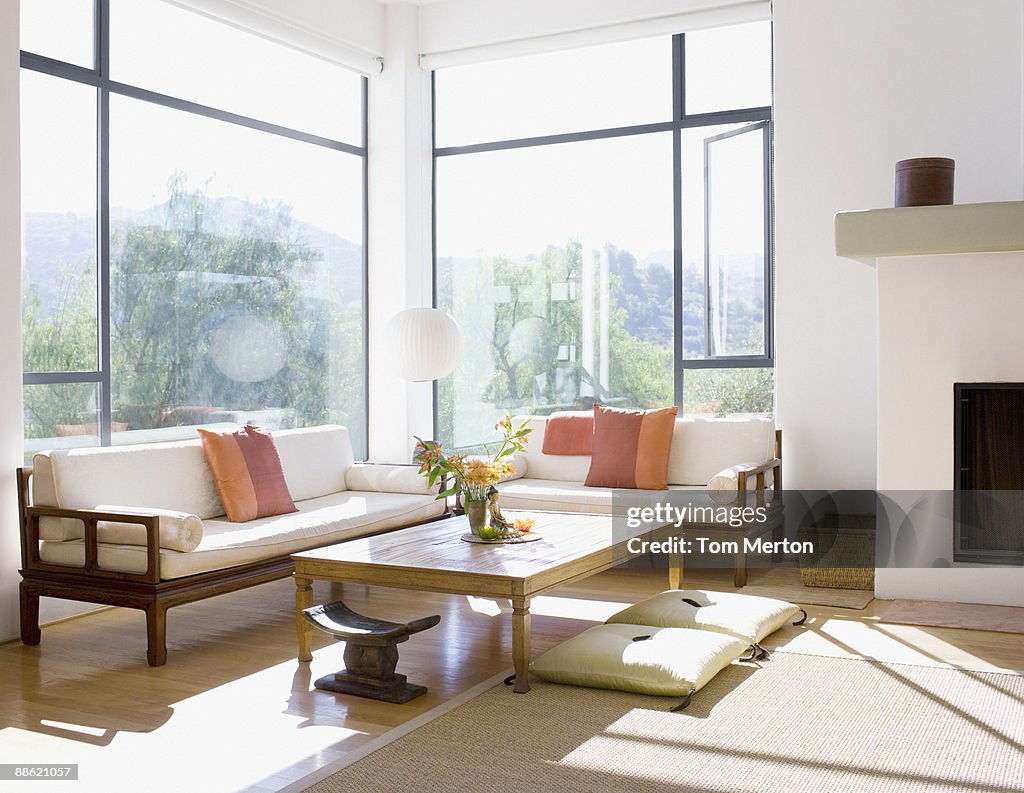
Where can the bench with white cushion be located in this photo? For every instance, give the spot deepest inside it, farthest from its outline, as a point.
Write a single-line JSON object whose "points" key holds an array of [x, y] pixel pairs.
{"points": [[143, 526], [714, 461]]}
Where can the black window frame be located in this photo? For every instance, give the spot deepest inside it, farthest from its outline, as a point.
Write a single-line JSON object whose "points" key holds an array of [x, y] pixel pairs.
{"points": [[98, 77], [680, 121]]}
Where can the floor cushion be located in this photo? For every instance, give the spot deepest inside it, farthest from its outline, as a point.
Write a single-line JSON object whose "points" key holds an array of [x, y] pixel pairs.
{"points": [[641, 659], [747, 617]]}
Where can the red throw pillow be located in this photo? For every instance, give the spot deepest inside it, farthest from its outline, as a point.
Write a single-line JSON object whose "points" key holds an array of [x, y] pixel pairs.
{"points": [[247, 472], [568, 433], [631, 448]]}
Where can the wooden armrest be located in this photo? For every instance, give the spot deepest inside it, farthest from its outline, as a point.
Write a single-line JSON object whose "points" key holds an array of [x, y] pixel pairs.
{"points": [[758, 473], [90, 518]]}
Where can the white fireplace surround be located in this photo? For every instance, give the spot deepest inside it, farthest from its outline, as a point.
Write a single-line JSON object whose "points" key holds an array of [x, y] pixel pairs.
{"points": [[942, 318]]}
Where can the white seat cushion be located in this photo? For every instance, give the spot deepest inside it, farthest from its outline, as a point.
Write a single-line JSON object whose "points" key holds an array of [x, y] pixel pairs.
{"points": [[319, 521], [548, 495], [672, 662], [747, 617]]}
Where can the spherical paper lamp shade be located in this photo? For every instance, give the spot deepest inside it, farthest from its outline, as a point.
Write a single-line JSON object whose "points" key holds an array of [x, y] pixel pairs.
{"points": [[425, 344]]}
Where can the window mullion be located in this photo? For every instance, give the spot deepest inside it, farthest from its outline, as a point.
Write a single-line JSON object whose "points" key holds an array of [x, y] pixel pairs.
{"points": [[103, 214]]}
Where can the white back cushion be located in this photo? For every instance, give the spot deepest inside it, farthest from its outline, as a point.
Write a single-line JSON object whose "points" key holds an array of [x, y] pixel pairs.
{"points": [[314, 459], [171, 476], [567, 468], [702, 447], [175, 476]]}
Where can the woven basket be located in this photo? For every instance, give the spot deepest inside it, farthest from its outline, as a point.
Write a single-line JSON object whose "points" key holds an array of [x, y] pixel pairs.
{"points": [[844, 553]]}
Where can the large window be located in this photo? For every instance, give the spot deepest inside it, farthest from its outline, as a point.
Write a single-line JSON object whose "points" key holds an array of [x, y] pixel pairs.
{"points": [[603, 229], [194, 229]]}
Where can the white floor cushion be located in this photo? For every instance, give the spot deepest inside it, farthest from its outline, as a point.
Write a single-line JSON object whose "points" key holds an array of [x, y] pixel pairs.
{"points": [[666, 661], [747, 617]]}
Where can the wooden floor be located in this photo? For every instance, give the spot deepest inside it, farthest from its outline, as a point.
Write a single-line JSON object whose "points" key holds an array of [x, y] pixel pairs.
{"points": [[232, 710]]}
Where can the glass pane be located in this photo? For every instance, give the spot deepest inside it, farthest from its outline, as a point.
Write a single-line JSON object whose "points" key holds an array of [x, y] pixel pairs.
{"points": [[230, 69], [61, 416], [58, 200], [557, 264], [236, 292], [612, 85], [727, 392], [735, 244], [694, 319], [729, 68], [61, 29]]}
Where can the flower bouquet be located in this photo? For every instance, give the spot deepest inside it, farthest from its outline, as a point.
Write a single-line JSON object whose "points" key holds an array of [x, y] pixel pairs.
{"points": [[472, 480]]}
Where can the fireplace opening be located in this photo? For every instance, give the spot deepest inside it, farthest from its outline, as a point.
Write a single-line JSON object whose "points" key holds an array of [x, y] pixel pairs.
{"points": [[988, 454]]}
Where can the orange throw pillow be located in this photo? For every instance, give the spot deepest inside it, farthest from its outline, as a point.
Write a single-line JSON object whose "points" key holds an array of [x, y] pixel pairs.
{"points": [[569, 433], [631, 448], [247, 471]]}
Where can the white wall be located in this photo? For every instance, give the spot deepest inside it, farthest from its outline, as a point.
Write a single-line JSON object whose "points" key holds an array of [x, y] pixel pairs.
{"points": [[10, 317], [400, 231], [942, 319], [858, 86]]}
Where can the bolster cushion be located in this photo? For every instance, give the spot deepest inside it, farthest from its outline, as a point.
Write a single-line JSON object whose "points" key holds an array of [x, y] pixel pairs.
{"points": [[179, 531], [386, 478]]}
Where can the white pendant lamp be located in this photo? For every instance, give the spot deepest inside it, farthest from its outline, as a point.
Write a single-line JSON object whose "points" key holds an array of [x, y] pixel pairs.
{"points": [[425, 344]]}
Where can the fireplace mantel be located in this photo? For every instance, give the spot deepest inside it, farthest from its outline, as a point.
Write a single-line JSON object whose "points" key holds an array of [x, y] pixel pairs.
{"points": [[869, 234]]}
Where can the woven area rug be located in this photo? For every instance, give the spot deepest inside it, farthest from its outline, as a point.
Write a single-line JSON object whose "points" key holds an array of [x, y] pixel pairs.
{"points": [[797, 724], [1006, 619]]}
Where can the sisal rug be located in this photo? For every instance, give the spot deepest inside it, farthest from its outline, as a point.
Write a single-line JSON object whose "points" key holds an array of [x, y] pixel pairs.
{"points": [[797, 724], [972, 616]]}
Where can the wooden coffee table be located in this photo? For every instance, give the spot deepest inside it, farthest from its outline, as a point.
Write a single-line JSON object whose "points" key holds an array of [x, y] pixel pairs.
{"points": [[433, 558]]}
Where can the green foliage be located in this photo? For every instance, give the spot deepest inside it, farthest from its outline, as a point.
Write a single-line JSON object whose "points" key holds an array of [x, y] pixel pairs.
{"points": [[178, 273], [62, 339], [516, 330], [726, 391]]}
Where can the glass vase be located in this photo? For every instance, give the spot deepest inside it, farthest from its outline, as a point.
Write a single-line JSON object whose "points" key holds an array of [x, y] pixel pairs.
{"points": [[479, 517]]}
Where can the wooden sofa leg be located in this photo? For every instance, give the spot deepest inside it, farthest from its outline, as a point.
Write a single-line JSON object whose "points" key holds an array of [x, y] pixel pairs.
{"points": [[739, 578], [156, 634], [30, 633]]}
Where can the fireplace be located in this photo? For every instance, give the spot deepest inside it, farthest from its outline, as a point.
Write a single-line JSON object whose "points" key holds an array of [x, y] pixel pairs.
{"points": [[988, 455]]}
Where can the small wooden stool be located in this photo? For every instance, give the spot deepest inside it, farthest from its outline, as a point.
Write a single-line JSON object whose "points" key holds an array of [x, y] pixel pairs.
{"points": [[371, 652]]}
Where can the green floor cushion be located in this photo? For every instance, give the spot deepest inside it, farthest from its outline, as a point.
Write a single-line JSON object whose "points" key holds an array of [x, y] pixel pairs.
{"points": [[672, 662], [747, 617]]}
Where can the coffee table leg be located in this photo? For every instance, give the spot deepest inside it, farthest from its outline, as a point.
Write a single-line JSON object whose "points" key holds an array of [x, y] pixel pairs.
{"points": [[521, 643], [304, 631], [675, 570]]}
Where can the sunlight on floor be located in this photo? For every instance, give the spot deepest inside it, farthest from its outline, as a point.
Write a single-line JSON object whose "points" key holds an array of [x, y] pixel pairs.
{"points": [[891, 643], [209, 724], [486, 606], [79, 728], [545, 606]]}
